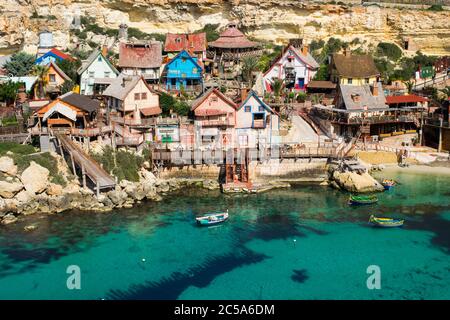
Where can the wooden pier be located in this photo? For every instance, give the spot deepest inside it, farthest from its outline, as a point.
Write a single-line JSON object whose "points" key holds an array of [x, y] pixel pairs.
{"points": [[89, 167]]}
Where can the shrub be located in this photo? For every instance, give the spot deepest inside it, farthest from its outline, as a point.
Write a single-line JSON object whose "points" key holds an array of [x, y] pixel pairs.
{"points": [[126, 165], [389, 50], [436, 7], [21, 149]]}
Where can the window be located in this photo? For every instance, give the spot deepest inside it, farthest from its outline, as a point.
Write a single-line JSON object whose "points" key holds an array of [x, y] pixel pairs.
{"points": [[99, 59], [178, 40], [52, 78], [214, 99], [194, 70], [367, 80], [261, 109], [247, 108], [107, 74], [243, 140], [144, 96], [137, 96], [350, 80], [91, 74]]}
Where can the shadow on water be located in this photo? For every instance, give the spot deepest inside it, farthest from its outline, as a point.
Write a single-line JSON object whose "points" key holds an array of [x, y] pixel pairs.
{"points": [[300, 275], [200, 276]]}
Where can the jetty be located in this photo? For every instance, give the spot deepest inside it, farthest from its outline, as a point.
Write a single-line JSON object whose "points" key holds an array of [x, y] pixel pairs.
{"points": [[89, 167]]}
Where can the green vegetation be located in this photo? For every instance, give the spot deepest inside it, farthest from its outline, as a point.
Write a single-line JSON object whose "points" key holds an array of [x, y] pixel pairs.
{"points": [[70, 68], [405, 68], [322, 73], [19, 149], [436, 7], [138, 34], [67, 86], [212, 34], [249, 64], [315, 24], [266, 59], [9, 121], [389, 50], [8, 91], [123, 164], [321, 50], [41, 72], [168, 102], [20, 64], [24, 154]]}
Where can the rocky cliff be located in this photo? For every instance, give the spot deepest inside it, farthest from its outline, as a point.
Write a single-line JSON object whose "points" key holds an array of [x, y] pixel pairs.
{"points": [[273, 20]]}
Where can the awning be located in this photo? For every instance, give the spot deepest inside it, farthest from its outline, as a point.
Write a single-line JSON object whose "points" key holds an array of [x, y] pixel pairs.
{"points": [[319, 84], [152, 111], [62, 109]]}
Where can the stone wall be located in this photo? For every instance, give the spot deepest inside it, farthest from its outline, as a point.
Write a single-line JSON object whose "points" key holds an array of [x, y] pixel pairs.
{"points": [[285, 170]]}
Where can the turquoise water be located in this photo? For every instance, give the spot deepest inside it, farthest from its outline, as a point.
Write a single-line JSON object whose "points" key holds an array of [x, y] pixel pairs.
{"points": [[302, 243]]}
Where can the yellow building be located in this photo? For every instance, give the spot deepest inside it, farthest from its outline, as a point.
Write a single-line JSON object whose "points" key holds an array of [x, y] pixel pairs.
{"points": [[352, 69], [55, 79]]}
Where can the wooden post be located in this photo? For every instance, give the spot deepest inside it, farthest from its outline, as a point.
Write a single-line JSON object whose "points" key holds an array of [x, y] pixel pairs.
{"points": [[83, 172], [440, 134], [98, 189], [73, 163]]}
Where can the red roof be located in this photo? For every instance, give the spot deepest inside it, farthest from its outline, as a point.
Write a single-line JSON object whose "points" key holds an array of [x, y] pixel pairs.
{"points": [[142, 55], [233, 38], [410, 98], [194, 42], [61, 54]]}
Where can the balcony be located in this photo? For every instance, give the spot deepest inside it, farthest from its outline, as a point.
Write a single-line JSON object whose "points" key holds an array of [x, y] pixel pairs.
{"points": [[216, 122], [258, 124]]}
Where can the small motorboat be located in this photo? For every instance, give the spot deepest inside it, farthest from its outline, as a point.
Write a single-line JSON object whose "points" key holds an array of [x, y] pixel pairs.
{"points": [[212, 218], [388, 184], [360, 200], [385, 222]]}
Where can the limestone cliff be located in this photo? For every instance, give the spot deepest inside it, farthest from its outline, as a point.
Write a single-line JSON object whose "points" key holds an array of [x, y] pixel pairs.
{"points": [[274, 20]]}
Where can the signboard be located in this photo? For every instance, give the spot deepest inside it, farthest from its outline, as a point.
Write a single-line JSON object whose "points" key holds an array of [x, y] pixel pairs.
{"points": [[426, 72], [168, 134]]}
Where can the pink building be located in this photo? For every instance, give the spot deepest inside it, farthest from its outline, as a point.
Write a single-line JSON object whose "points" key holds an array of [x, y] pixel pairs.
{"points": [[215, 119]]}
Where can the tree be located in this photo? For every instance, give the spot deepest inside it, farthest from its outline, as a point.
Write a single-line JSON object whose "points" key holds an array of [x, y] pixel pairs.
{"points": [[41, 72], [70, 68], [20, 64], [249, 64], [166, 102], [409, 86], [322, 73], [67, 86], [8, 91], [446, 92], [277, 86]]}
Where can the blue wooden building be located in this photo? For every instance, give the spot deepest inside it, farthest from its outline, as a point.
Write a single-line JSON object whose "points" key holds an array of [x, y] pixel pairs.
{"points": [[183, 71], [54, 55]]}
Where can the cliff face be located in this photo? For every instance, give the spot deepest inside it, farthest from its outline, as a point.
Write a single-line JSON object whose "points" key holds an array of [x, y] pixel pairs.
{"points": [[274, 20]]}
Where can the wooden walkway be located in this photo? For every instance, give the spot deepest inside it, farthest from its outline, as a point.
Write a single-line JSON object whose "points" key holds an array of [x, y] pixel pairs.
{"points": [[89, 167]]}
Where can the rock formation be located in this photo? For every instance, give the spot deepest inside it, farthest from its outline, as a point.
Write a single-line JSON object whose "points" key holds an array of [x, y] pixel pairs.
{"points": [[21, 20]]}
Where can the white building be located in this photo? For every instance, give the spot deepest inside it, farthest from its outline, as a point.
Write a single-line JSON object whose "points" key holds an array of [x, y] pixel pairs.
{"points": [[96, 73], [296, 67]]}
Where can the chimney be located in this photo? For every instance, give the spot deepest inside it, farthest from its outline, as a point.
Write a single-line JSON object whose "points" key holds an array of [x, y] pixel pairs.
{"points": [[305, 49], [244, 93], [356, 97], [104, 50], [375, 89], [123, 31]]}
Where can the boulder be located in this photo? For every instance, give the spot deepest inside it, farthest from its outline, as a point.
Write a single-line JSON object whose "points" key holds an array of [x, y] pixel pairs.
{"points": [[35, 178], [117, 197], [354, 182], [7, 166], [54, 189], [9, 189], [29, 228], [24, 196], [8, 219]]}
